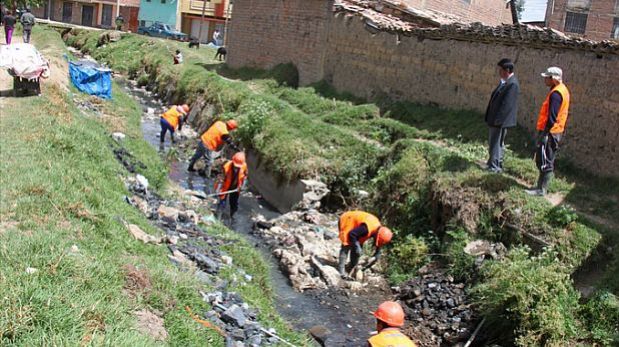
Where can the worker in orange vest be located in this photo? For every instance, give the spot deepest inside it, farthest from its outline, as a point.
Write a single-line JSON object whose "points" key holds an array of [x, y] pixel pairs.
{"points": [[389, 318], [551, 123], [356, 227], [213, 140], [171, 120], [234, 174]]}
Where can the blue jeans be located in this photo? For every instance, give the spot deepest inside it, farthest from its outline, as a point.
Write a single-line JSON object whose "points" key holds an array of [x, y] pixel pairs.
{"points": [[165, 126]]}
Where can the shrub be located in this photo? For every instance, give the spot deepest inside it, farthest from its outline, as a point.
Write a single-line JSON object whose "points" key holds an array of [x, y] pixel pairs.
{"points": [[601, 316], [253, 116], [534, 294], [407, 255], [562, 216], [461, 265]]}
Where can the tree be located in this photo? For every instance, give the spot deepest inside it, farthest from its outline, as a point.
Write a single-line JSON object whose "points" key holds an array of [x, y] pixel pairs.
{"points": [[15, 4]]}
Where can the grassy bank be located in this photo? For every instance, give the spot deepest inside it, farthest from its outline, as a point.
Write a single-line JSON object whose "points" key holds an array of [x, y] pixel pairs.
{"points": [[420, 165], [62, 201]]}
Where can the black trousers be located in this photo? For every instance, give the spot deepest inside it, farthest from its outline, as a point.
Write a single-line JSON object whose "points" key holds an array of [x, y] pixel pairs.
{"points": [[547, 152]]}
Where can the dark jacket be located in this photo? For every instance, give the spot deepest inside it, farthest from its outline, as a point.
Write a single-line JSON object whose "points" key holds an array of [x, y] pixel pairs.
{"points": [[27, 20], [503, 106], [9, 21]]}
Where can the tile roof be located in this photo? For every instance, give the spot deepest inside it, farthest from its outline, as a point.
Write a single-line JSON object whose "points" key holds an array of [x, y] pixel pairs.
{"points": [[428, 25]]}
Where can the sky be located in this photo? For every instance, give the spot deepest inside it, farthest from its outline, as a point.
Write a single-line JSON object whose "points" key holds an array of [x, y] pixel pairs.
{"points": [[534, 10]]}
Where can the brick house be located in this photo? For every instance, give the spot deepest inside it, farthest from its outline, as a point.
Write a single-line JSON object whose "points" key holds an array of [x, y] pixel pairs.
{"points": [[93, 13], [489, 12], [591, 19], [215, 14]]}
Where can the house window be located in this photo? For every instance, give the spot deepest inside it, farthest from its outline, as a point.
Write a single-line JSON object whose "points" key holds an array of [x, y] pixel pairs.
{"points": [[575, 22], [615, 33], [163, 1]]}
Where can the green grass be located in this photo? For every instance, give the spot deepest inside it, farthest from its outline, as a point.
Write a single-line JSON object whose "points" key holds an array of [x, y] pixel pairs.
{"points": [[420, 164], [62, 186]]}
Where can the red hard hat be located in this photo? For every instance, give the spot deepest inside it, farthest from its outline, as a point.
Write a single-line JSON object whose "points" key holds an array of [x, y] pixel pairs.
{"points": [[232, 124], [238, 159], [391, 313], [384, 236]]}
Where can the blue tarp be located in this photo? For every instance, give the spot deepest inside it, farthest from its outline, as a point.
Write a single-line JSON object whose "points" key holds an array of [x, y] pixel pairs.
{"points": [[90, 78]]}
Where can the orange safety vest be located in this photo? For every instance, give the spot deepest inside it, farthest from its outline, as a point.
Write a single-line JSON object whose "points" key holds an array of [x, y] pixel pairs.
{"points": [[559, 126], [390, 337], [172, 116], [352, 219], [228, 167], [213, 137]]}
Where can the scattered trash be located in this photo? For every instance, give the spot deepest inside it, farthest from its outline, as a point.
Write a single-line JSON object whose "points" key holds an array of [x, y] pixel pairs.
{"points": [[31, 270], [118, 137]]}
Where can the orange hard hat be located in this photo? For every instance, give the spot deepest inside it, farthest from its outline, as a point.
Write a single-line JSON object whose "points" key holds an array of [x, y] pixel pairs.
{"points": [[238, 159], [232, 124], [185, 108], [390, 313], [384, 236]]}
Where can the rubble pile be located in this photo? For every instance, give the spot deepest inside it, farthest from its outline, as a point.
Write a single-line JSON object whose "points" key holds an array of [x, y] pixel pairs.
{"points": [[194, 250], [437, 309], [306, 244]]}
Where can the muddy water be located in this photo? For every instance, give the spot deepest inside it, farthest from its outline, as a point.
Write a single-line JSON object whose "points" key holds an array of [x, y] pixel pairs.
{"points": [[345, 316]]}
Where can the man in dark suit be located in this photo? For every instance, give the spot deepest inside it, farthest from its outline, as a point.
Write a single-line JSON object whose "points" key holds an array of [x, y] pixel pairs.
{"points": [[501, 113]]}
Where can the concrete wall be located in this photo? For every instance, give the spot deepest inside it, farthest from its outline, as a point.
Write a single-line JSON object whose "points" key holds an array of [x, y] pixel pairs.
{"points": [[458, 74], [280, 31], [281, 195]]}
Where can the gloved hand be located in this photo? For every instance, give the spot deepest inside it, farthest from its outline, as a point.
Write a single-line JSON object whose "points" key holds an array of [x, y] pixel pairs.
{"points": [[370, 263], [222, 203]]}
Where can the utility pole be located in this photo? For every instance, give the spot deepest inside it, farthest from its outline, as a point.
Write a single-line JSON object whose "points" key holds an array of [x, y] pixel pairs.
{"points": [[227, 14], [514, 11], [202, 21]]}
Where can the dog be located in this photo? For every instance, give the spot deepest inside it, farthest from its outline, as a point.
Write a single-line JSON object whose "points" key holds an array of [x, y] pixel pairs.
{"points": [[221, 53], [193, 42]]}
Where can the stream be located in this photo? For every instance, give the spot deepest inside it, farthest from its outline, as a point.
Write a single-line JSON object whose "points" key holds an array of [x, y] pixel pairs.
{"points": [[346, 316]]}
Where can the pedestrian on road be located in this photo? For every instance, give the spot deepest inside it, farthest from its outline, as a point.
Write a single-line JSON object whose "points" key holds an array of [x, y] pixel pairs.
{"points": [[171, 120], [234, 174], [551, 123], [216, 37], [27, 21], [501, 114], [9, 26], [357, 227], [389, 318], [213, 140]]}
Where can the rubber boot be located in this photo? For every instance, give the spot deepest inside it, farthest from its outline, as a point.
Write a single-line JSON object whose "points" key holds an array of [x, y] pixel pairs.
{"points": [[545, 182], [537, 189], [342, 261]]}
